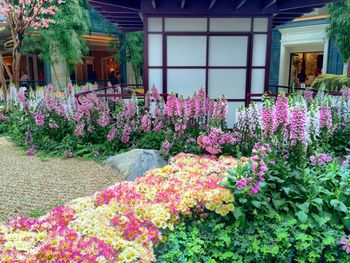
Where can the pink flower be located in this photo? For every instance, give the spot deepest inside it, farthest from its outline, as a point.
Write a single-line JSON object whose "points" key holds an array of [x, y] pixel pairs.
{"points": [[146, 123], [346, 244], [325, 118], [126, 134], [267, 116], [31, 151], [281, 120], [298, 126], [104, 119], [39, 119], [166, 146]]}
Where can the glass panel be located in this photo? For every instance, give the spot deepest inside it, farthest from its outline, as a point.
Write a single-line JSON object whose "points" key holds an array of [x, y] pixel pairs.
{"points": [[155, 24], [259, 50], [155, 78], [228, 51], [155, 50], [186, 50], [228, 82], [261, 24], [230, 24], [231, 116], [186, 82], [186, 24], [258, 81]]}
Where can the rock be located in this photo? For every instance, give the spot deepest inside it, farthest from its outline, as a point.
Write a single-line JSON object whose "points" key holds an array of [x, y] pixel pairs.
{"points": [[135, 163]]}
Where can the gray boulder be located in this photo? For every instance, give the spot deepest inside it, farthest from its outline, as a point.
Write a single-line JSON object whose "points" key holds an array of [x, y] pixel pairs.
{"points": [[135, 163]]}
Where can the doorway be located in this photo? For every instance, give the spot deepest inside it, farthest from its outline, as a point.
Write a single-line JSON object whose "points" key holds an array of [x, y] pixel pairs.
{"points": [[305, 67]]}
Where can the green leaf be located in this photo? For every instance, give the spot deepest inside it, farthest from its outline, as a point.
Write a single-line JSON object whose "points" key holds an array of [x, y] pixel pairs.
{"points": [[257, 204], [302, 216], [304, 206], [278, 203], [238, 212]]}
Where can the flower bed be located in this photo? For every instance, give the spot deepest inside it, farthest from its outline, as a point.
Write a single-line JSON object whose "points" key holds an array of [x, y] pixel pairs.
{"points": [[122, 223]]}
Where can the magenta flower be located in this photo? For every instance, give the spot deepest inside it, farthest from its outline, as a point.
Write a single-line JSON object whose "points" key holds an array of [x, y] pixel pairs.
{"points": [[104, 119], [267, 116], [346, 244], [298, 126], [281, 114], [31, 151], [39, 119], [325, 118], [126, 134]]}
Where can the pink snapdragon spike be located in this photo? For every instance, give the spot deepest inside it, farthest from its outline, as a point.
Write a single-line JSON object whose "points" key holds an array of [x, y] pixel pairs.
{"points": [[166, 146], [298, 126], [325, 115], [346, 244], [267, 115], [281, 113], [258, 170], [39, 119]]}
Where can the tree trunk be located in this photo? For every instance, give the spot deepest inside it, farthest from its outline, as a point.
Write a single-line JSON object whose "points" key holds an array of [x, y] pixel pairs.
{"points": [[349, 68], [16, 67], [2, 77]]}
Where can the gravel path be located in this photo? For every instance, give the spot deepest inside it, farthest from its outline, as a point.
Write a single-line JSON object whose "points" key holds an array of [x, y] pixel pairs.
{"points": [[28, 183]]}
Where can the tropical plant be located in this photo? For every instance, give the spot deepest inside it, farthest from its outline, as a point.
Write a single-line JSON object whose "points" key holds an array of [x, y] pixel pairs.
{"points": [[339, 26]]}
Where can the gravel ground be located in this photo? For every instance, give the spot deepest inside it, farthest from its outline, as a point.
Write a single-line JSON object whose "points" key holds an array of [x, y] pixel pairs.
{"points": [[29, 183]]}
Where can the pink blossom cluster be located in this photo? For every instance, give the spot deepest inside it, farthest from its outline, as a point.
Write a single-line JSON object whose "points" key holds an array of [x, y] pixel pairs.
{"points": [[32, 13], [258, 169], [346, 93], [122, 223], [281, 114], [325, 118], [346, 244], [320, 159], [39, 119], [298, 126], [215, 140]]}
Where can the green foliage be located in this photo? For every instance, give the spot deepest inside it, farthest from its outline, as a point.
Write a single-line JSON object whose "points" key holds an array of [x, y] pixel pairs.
{"points": [[130, 44], [64, 37], [313, 194], [40, 212], [339, 26], [152, 140], [331, 82], [277, 240], [340, 142]]}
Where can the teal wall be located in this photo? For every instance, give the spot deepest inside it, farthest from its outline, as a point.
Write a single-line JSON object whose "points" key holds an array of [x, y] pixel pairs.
{"points": [[335, 59], [275, 58]]}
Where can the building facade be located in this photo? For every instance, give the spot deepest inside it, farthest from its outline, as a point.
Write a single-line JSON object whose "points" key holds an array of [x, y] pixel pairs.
{"points": [[301, 50]]}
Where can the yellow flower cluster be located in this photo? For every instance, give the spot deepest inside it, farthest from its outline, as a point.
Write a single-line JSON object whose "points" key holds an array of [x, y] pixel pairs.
{"points": [[127, 217]]}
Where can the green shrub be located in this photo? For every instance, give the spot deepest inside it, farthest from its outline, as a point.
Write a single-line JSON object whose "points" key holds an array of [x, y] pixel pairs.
{"points": [[277, 240], [331, 82]]}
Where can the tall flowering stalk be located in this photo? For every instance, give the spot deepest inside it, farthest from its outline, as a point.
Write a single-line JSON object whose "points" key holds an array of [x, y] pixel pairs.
{"points": [[298, 126], [281, 121], [325, 118]]}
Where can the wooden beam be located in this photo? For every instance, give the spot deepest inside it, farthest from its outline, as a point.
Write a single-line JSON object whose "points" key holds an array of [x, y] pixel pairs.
{"points": [[182, 5], [297, 4], [268, 3], [212, 3], [239, 4]]}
